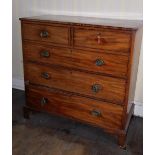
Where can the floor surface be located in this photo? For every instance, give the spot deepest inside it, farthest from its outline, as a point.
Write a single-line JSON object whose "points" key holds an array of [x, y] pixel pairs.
{"points": [[45, 134]]}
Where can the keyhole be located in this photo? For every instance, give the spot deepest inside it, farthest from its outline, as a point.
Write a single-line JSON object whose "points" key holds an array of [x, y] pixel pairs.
{"points": [[98, 39]]}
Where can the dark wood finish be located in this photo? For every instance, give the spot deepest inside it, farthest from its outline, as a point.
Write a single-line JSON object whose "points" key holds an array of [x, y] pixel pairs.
{"points": [[112, 89], [121, 141], [82, 68]]}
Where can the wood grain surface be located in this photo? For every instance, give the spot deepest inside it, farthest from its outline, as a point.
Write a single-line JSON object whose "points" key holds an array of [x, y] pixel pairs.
{"points": [[46, 134], [115, 65], [111, 89], [76, 107], [92, 62], [105, 39], [56, 34]]}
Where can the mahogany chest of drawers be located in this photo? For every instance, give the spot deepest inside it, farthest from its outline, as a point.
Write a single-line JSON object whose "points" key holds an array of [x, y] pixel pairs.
{"points": [[79, 68]]}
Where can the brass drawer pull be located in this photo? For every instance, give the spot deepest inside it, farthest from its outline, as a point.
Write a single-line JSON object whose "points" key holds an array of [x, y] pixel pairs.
{"points": [[45, 75], [96, 113], [99, 62], [43, 101], [45, 53], [96, 88], [43, 34]]}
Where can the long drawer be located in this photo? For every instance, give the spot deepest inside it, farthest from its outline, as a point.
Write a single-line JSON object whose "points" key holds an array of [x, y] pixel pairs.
{"points": [[110, 64], [46, 33], [106, 39], [102, 114], [101, 87]]}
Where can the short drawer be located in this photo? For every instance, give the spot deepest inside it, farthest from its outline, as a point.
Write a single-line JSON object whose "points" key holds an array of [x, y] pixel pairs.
{"points": [[99, 113], [96, 62], [46, 33], [106, 39], [95, 86]]}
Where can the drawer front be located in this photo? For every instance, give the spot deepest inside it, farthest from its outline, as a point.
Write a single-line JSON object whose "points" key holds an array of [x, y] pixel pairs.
{"points": [[115, 65], [110, 64], [102, 39], [45, 33], [108, 88], [99, 113], [47, 54]]}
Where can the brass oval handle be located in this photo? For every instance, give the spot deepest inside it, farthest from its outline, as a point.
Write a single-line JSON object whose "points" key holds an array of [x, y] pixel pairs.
{"points": [[45, 75], [44, 34], [43, 101], [99, 62], [96, 88], [96, 113], [45, 53]]}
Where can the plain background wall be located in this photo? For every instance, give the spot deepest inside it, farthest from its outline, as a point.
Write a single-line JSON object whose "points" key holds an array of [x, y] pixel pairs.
{"points": [[127, 9]]}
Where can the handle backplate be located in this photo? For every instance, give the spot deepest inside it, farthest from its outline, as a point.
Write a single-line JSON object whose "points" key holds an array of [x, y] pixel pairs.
{"points": [[99, 62], [45, 75], [96, 88], [45, 53], [44, 34], [43, 101], [96, 113]]}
